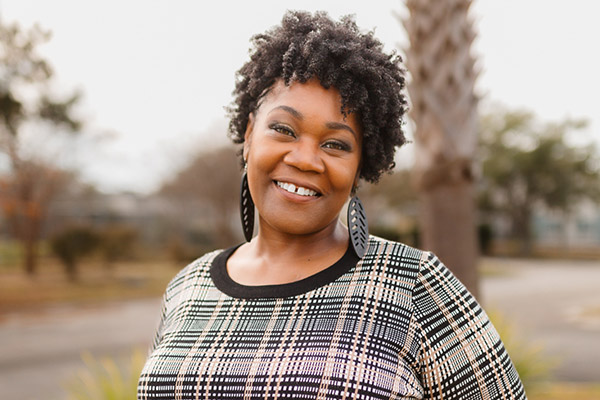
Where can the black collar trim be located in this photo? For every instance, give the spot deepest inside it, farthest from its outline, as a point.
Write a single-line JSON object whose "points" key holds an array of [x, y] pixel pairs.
{"points": [[224, 283]]}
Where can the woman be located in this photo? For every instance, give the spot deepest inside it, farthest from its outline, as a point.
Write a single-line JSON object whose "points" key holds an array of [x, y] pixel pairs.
{"points": [[311, 309]]}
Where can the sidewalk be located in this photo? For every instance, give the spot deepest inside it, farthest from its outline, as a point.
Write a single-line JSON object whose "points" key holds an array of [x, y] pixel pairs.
{"points": [[555, 304]]}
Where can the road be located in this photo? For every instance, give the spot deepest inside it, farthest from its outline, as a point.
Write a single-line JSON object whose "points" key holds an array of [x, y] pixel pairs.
{"points": [[555, 304], [41, 351]]}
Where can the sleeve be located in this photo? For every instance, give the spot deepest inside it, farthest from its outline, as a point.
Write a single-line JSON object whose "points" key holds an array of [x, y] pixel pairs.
{"points": [[461, 355], [161, 324]]}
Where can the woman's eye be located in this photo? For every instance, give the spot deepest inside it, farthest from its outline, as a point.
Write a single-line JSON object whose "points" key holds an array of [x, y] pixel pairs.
{"points": [[335, 145], [284, 130]]}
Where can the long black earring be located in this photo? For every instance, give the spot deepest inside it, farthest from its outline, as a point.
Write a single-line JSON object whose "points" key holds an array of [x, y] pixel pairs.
{"points": [[246, 208], [358, 228]]}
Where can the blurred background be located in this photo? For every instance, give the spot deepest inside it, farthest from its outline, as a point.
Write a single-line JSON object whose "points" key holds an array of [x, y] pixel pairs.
{"points": [[116, 171]]}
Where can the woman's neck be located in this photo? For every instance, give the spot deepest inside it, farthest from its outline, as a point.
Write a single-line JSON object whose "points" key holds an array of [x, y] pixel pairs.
{"points": [[275, 258]]}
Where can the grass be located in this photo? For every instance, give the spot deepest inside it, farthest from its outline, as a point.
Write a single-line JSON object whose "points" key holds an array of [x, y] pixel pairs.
{"points": [[107, 378], [565, 390], [96, 283], [489, 268], [535, 367]]}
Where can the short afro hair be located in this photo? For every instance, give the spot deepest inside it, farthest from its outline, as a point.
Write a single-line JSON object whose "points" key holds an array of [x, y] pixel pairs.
{"points": [[371, 83]]}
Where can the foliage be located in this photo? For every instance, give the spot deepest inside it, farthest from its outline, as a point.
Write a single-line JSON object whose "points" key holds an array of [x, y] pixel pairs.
{"points": [[396, 189], [72, 244], [533, 366], [391, 206], [116, 243], [32, 180], [528, 164], [566, 390], [207, 190], [103, 379]]}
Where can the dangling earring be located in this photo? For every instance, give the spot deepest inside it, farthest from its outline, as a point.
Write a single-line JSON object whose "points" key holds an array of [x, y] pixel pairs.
{"points": [[358, 228], [246, 207]]}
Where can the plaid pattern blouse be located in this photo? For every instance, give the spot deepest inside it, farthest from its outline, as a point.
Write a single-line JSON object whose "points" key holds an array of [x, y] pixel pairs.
{"points": [[395, 325]]}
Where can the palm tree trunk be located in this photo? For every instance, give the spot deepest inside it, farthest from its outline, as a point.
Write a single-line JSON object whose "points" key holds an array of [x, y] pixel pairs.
{"points": [[447, 221], [444, 109]]}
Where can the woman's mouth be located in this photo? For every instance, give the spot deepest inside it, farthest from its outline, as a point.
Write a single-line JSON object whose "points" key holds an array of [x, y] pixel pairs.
{"points": [[299, 190]]}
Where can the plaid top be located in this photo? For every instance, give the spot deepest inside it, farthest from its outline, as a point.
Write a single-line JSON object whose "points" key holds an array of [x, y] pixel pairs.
{"points": [[395, 325]]}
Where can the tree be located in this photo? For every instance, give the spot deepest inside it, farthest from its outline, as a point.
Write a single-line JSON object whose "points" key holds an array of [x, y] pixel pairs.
{"points": [[526, 164], [391, 206], [25, 197], [29, 183], [444, 109], [210, 183], [72, 244]]}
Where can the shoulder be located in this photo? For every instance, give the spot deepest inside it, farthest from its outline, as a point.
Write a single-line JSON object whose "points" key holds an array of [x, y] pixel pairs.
{"points": [[395, 257], [459, 346], [193, 273], [428, 273]]}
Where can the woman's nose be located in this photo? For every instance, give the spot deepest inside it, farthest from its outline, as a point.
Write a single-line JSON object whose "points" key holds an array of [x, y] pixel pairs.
{"points": [[305, 156]]}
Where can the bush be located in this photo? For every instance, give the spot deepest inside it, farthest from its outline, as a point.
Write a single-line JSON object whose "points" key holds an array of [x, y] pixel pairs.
{"points": [[104, 380], [533, 366], [410, 237], [485, 235], [72, 244], [116, 243]]}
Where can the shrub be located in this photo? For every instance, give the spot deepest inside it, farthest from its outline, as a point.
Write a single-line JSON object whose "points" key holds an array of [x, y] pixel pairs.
{"points": [[107, 378], [72, 244], [534, 367], [116, 243]]}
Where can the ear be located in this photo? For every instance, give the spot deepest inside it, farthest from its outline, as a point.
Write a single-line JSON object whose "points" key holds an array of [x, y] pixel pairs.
{"points": [[248, 136]]}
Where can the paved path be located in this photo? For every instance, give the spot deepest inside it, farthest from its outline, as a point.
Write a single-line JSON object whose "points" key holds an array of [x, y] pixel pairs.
{"points": [[40, 351], [555, 304], [549, 302]]}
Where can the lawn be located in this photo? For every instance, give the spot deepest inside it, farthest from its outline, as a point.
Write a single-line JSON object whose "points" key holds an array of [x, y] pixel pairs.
{"points": [[96, 283]]}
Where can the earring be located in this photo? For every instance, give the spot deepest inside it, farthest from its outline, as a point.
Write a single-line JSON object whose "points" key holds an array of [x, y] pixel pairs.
{"points": [[246, 207], [358, 228]]}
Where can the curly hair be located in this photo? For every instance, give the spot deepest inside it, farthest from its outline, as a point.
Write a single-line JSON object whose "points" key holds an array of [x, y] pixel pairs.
{"points": [[371, 83]]}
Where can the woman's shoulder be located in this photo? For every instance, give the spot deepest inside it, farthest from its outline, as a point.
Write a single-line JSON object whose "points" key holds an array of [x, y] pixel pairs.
{"points": [[395, 255], [197, 269], [418, 268]]}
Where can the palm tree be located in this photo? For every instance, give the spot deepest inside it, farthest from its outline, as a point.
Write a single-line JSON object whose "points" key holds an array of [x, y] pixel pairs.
{"points": [[444, 110]]}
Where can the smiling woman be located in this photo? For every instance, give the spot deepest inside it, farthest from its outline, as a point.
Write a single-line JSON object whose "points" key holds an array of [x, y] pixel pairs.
{"points": [[298, 142], [310, 308]]}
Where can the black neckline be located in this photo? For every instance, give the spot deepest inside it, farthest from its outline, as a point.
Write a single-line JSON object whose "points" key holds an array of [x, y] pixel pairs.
{"points": [[224, 283]]}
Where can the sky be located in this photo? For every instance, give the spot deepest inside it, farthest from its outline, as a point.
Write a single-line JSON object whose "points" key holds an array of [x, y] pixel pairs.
{"points": [[156, 75]]}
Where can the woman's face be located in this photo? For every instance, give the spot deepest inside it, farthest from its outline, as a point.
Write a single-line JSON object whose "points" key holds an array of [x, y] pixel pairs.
{"points": [[303, 157]]}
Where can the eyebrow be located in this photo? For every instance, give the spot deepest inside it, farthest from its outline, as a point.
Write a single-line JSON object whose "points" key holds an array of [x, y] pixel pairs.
{"points": [[331, 125]]}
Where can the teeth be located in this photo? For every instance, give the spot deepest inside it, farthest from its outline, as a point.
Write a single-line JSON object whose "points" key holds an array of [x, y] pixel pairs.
{"points": [[290, 187]]}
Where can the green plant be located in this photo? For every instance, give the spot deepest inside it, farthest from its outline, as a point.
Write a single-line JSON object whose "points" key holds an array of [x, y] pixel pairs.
{"points": [[116, 243], [107, 378], [532, 364], [72, 244]]}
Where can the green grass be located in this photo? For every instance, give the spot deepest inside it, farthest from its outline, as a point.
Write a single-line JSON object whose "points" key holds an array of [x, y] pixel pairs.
{"points": [[96, 283], [565, 390], [490, 268], [11, 255], [533, 365], [107, 378]]}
